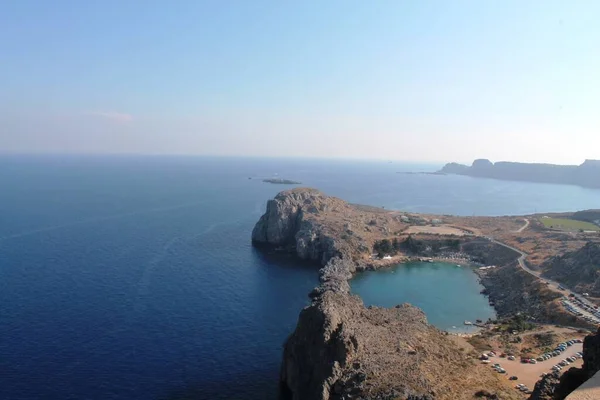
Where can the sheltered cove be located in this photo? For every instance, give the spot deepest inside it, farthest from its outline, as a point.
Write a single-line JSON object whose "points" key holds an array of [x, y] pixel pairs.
{"points": [[342, 350]]}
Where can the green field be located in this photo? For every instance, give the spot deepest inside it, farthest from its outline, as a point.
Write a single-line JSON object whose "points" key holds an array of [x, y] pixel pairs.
{"points": [[568, 224]]}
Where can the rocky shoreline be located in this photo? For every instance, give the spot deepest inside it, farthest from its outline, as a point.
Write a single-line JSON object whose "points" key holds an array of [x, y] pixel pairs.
{"points": [[341, 349]]}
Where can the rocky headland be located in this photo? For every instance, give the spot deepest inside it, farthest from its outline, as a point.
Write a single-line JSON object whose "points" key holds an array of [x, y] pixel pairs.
{"points": [[341, 349], [585, 175]]}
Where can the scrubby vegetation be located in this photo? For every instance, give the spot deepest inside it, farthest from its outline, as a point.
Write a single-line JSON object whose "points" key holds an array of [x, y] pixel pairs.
{"points": [[386, 247], [519, 323], [424, 246]]}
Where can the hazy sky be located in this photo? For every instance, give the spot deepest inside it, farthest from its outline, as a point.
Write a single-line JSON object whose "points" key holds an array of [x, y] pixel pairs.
{"points": [[404, 80]]}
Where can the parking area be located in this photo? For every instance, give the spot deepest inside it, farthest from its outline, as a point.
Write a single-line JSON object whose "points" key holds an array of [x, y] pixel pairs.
{"points": [[581, 309], [527, 373]]}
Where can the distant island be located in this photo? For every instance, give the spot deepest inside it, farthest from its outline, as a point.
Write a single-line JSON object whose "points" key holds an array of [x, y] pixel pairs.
{"points": [[586, 174], [279, 181]]}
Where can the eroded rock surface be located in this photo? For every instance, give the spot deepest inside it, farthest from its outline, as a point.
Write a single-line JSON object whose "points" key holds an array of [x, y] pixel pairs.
{"points": [[341, 349]]}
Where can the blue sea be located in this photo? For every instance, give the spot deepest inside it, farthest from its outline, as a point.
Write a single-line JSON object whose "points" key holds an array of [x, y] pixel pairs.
{"points": [[134, 278]]}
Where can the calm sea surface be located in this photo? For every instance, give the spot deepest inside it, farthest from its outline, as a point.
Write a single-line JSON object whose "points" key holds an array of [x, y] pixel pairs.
{"points": [[134, 278]]}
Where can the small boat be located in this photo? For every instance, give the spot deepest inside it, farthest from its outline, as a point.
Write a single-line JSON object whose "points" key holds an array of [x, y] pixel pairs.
{"points": [[458, 265], [468, 323]]}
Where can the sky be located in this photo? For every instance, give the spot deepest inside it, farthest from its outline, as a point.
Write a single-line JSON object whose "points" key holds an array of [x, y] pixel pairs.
{"points": [[395, 80]]}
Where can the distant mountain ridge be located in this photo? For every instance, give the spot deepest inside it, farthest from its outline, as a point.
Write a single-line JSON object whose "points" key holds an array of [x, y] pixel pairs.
{"points": [[586, 174]]}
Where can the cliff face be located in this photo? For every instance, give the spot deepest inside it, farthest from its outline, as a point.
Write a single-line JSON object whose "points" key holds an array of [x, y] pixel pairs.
{"points": [[342, 350], [586, 174], [287, 223], [279, 225], [579, 269]]}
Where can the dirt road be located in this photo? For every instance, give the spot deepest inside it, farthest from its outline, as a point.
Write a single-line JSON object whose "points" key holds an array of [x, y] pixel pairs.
{"points": [[529, 374], [552, 285], [521, 229]]}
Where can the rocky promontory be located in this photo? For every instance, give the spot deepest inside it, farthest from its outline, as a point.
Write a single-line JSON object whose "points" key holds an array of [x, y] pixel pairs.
{"points": [[341, 349], [585, 175]]}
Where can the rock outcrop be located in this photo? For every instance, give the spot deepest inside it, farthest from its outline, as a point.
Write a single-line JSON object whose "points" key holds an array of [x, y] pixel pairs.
{"points": [[579, 270], [287, 223], [341, 349], [279, 225]]}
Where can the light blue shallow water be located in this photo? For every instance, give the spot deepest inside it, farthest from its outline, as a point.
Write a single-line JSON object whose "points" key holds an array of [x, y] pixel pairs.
{"points": [[449, 295], [134, 277]]}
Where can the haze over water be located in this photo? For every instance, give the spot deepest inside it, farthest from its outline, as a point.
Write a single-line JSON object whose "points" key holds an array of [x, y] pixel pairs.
{"points": [[134, 277]]}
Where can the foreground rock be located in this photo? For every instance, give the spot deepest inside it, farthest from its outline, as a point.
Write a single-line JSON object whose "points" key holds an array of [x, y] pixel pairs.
{"points": [[342, 350]]}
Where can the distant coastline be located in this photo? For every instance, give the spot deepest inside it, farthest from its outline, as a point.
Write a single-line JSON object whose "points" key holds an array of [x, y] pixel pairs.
{"points": [[421, 173], [279, 181], [585, 175]]}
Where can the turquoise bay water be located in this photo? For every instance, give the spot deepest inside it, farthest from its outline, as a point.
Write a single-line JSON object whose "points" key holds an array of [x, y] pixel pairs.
{"points": [[448, 294]]}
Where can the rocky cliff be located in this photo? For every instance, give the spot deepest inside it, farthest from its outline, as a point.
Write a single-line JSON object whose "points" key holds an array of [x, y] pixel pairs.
{"points": [[291, 222], [586, 174], [579, 270], [341, 349]]}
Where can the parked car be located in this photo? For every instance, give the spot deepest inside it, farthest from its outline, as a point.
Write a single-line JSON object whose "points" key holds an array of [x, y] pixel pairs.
{"points": [[513, 378]]}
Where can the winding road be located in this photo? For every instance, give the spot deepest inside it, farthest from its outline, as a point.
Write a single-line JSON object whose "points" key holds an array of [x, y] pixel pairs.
{"points": [[521, 229], [553, 285]]}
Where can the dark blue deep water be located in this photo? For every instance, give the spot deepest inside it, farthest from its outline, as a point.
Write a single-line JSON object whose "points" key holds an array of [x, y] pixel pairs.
{"points": [[134, 278]]}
